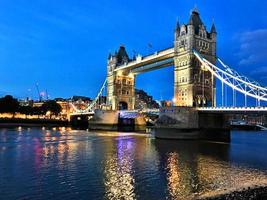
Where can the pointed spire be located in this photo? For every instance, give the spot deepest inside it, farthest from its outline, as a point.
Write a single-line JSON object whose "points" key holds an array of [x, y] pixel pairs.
{"points": [[195, 18], [191, 21], [122, 55], [213, 29], [177, 28], [195, 9]]}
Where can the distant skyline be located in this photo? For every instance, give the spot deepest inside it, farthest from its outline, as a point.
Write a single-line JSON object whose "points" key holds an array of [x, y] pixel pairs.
{"points": [[63, 45]]}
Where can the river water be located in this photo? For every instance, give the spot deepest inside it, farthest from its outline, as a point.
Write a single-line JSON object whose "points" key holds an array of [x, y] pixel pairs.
{"points": [[68, 164]]}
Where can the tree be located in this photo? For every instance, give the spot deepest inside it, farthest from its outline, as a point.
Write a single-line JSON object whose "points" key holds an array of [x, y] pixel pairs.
{"points": [[26, 110], [8, 104], [52, 106], [37, 111]]}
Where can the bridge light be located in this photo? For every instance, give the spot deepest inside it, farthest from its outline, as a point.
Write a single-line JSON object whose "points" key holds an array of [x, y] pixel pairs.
{"points": [[204, 68], [131, 75], [119, 73]]}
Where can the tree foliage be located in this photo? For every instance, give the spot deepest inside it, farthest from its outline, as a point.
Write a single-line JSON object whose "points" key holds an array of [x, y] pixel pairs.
{"points": [[8, 104], [51, 106]]}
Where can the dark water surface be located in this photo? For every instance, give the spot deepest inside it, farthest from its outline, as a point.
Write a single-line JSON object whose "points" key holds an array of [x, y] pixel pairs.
{"points": [[67, 164]]}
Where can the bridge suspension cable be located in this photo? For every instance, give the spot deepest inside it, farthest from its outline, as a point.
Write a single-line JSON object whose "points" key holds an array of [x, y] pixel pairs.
{"points": [[90, 106], [234, 80]]}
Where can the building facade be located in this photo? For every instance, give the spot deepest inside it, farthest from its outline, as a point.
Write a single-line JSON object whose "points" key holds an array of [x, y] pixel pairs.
{"points": [[120, 85], [193, 84], [144, 101]]}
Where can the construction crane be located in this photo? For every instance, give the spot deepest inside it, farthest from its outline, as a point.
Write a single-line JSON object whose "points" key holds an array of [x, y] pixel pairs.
{"points": [[38, 91]]}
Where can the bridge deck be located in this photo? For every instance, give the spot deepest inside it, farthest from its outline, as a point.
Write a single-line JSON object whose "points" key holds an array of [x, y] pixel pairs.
{"points": [[154, 61], [233, 109]]}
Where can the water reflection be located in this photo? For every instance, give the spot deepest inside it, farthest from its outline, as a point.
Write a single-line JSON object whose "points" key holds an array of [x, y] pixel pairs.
{"points": [[174, 176], [119, 181], [67, 164], [193, 172]]}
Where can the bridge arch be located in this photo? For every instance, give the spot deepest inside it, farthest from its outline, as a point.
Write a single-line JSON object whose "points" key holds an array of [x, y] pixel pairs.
{"points": [[123, 105]]}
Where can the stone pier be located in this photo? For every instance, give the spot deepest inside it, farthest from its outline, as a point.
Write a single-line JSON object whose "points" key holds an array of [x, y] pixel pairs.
{"points": [[187, 123], [111, 120]]}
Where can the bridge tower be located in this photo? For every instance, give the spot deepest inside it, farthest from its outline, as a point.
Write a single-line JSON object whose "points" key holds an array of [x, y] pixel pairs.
{"points": [[120, 84], [193, 85]]}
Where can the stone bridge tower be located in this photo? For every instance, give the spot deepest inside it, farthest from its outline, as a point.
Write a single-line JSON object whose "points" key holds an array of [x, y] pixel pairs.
{"points": [[120, 84], [194, 85]]}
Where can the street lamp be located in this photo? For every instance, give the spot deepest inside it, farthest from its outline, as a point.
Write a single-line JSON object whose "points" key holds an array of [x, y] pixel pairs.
{"points": [[174, 101]]}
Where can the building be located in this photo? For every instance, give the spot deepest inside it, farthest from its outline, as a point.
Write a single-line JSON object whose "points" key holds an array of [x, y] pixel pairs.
{"points": [[166, 103], [120, 93], [144, 101], [65, 105], [193, 84], [25, 102]]}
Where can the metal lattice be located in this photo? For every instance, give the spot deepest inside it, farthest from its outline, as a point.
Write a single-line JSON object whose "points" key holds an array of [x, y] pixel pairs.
{"points": [[234, 80], [90, 107]]}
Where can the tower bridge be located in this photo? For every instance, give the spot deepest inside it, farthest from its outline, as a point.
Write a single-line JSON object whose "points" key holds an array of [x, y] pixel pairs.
{"points": [[194, 58], [189, 76]]}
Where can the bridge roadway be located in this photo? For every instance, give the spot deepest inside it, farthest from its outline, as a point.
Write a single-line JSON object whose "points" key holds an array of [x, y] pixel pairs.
{"points": [[157, 60], [233, 110], [228, 110]]}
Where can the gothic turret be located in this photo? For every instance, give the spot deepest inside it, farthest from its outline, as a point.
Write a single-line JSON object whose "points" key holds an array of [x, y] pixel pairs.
{"points": [[213, 29], [213, 32], [195, 20], [177, 30], [122, 56]]}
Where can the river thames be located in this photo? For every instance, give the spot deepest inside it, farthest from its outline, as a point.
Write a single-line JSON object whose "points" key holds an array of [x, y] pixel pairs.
{"points": [[68, 164]]}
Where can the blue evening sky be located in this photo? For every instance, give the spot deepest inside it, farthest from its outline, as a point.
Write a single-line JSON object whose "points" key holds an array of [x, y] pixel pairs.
{"points": [[63, 45]]}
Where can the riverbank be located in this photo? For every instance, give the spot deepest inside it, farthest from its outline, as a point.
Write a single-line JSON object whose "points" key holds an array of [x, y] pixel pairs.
{"points": [[256, 193], [14, 122]]}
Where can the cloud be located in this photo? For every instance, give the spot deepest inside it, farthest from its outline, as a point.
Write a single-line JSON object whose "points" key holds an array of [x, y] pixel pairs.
{"points": [[253, 47], [259, 74], [259, 71]]}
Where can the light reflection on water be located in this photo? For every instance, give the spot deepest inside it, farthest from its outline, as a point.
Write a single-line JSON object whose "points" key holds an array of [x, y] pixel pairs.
{"points": [[208, 177], [119, 180], [68, 164]]}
